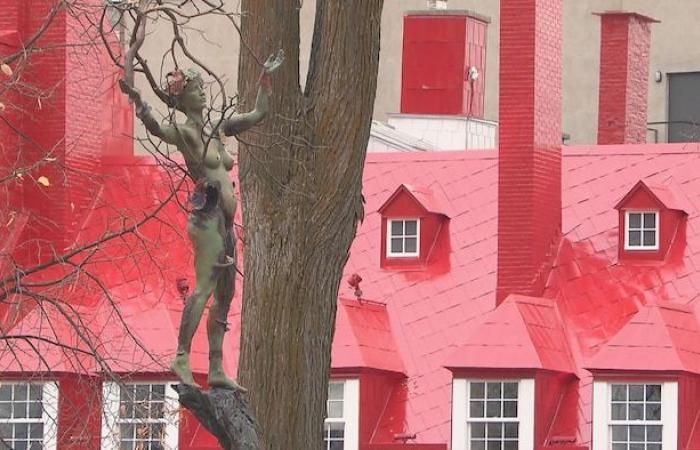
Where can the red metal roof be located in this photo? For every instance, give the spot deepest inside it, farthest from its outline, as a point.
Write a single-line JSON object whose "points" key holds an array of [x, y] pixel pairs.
{"points": [[599, 304]]}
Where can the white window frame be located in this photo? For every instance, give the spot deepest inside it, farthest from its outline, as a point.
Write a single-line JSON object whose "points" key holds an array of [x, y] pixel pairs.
{"points": [[602, 409], [641, 246], [351, 413], [110, 405], [525, 418], [49, 411], [391, 254]]}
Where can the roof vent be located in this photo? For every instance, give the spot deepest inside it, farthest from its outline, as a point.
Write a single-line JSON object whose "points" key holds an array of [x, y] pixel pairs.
{"points": [[437, 4]]}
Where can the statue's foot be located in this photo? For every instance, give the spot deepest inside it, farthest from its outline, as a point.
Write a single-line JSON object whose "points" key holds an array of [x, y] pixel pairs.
{"points": [[181, 367], [218, 379]]}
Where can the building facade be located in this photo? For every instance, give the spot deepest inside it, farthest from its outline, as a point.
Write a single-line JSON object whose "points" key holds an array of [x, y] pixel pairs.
{"points": [[536, 297]]}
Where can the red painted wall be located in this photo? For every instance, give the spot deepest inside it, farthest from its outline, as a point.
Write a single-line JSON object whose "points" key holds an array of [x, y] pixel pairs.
{"points": [[688, 412], [670, 222], [438, 49], [624, 78], [529, 186]]}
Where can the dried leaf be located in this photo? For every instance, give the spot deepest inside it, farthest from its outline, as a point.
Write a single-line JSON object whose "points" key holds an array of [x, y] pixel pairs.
{"points": [[7, 70], [42, 180], [2, 107]]}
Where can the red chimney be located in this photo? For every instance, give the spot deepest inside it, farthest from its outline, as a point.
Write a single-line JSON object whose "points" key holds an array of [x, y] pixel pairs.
{"points": [[529, 173], [624, 77], [75, 117], [440, 46]]}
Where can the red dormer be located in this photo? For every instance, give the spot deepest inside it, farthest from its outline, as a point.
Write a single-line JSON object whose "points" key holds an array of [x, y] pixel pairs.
{"points": [[414, 229], [651, 217]]}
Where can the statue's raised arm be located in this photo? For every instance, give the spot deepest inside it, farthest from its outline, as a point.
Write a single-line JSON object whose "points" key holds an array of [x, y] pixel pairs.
{"points": [[242, 122]]}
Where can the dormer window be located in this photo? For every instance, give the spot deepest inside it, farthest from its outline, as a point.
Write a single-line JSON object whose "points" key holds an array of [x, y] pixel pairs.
{"points": [[404, 238], [415, 230], [642, 230], [652, 218]]}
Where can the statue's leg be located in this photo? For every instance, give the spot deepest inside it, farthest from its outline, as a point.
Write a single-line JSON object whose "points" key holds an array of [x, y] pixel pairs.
{"points": [[217, 323], [206, 271]]}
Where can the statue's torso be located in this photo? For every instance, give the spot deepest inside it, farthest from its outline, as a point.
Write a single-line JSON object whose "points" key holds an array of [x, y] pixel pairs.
{"points": [[217, 164]]}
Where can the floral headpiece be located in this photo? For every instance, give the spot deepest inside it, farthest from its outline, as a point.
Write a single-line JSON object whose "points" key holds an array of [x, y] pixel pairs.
{"points": [[177, 80]]}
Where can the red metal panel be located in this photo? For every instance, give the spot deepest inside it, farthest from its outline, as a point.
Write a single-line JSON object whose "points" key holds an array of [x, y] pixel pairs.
{"points": [[433, 64]]}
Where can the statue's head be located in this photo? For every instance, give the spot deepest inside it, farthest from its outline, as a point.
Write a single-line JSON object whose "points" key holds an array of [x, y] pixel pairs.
{"points": [[187, 89]]}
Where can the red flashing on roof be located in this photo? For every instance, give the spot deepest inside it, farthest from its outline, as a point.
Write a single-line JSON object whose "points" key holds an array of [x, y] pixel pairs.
{"points": [[651, 222], [415, 230]]}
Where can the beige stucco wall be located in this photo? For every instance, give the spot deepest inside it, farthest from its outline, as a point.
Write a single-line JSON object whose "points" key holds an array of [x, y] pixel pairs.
{"points": [[674, 49]]}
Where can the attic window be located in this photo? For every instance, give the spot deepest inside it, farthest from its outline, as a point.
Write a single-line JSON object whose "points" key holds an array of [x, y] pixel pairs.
{"points": [[641, 230], [403, 237]]}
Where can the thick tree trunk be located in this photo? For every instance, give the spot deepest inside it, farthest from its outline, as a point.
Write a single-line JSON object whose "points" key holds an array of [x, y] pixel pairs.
{"points": [[301, 180]]}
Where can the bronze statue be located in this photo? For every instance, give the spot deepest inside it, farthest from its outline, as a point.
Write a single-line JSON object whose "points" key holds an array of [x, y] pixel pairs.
{"points": [[210, 225]]}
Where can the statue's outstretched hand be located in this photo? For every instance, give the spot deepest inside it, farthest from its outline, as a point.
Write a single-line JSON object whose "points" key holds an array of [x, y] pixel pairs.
{"points": [[273, 62]]}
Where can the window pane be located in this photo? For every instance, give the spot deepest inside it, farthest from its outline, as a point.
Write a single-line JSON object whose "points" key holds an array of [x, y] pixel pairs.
{"points": [[35, 410], [335, 409], [5, 430], [476, 390], [654, 433], [336, 430], [636, 411], [126, 445], [653, 411], [619, 433], [493, 409], [653, 392], [21, 392], [619, 411], [35, 392], [635, 238], [637, 446], [157, 410], [494, 445], [5, 393], [336, 445], [511, 430], [478, 430], [396, 245], [36, 445], [158, 391], [619, 447], [19, 410], [493, 390], [411, 228], [36, 431], [653, 446], [411, 245], [510, 409], [5, 410], [335, 391], [619, 392], [20, 445], [637, 433], [397, 228], [141, 392], [510, 445], [126, 410], [21, 431], [476, 409], [650, 220], [126, 431], [494, 430], [635, 220], [636, 392], [478, 445], [649, 238], [510, 390]]}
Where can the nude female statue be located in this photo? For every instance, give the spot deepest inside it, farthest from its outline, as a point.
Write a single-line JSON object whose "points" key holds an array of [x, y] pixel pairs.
{"points": [[210, 225]]}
